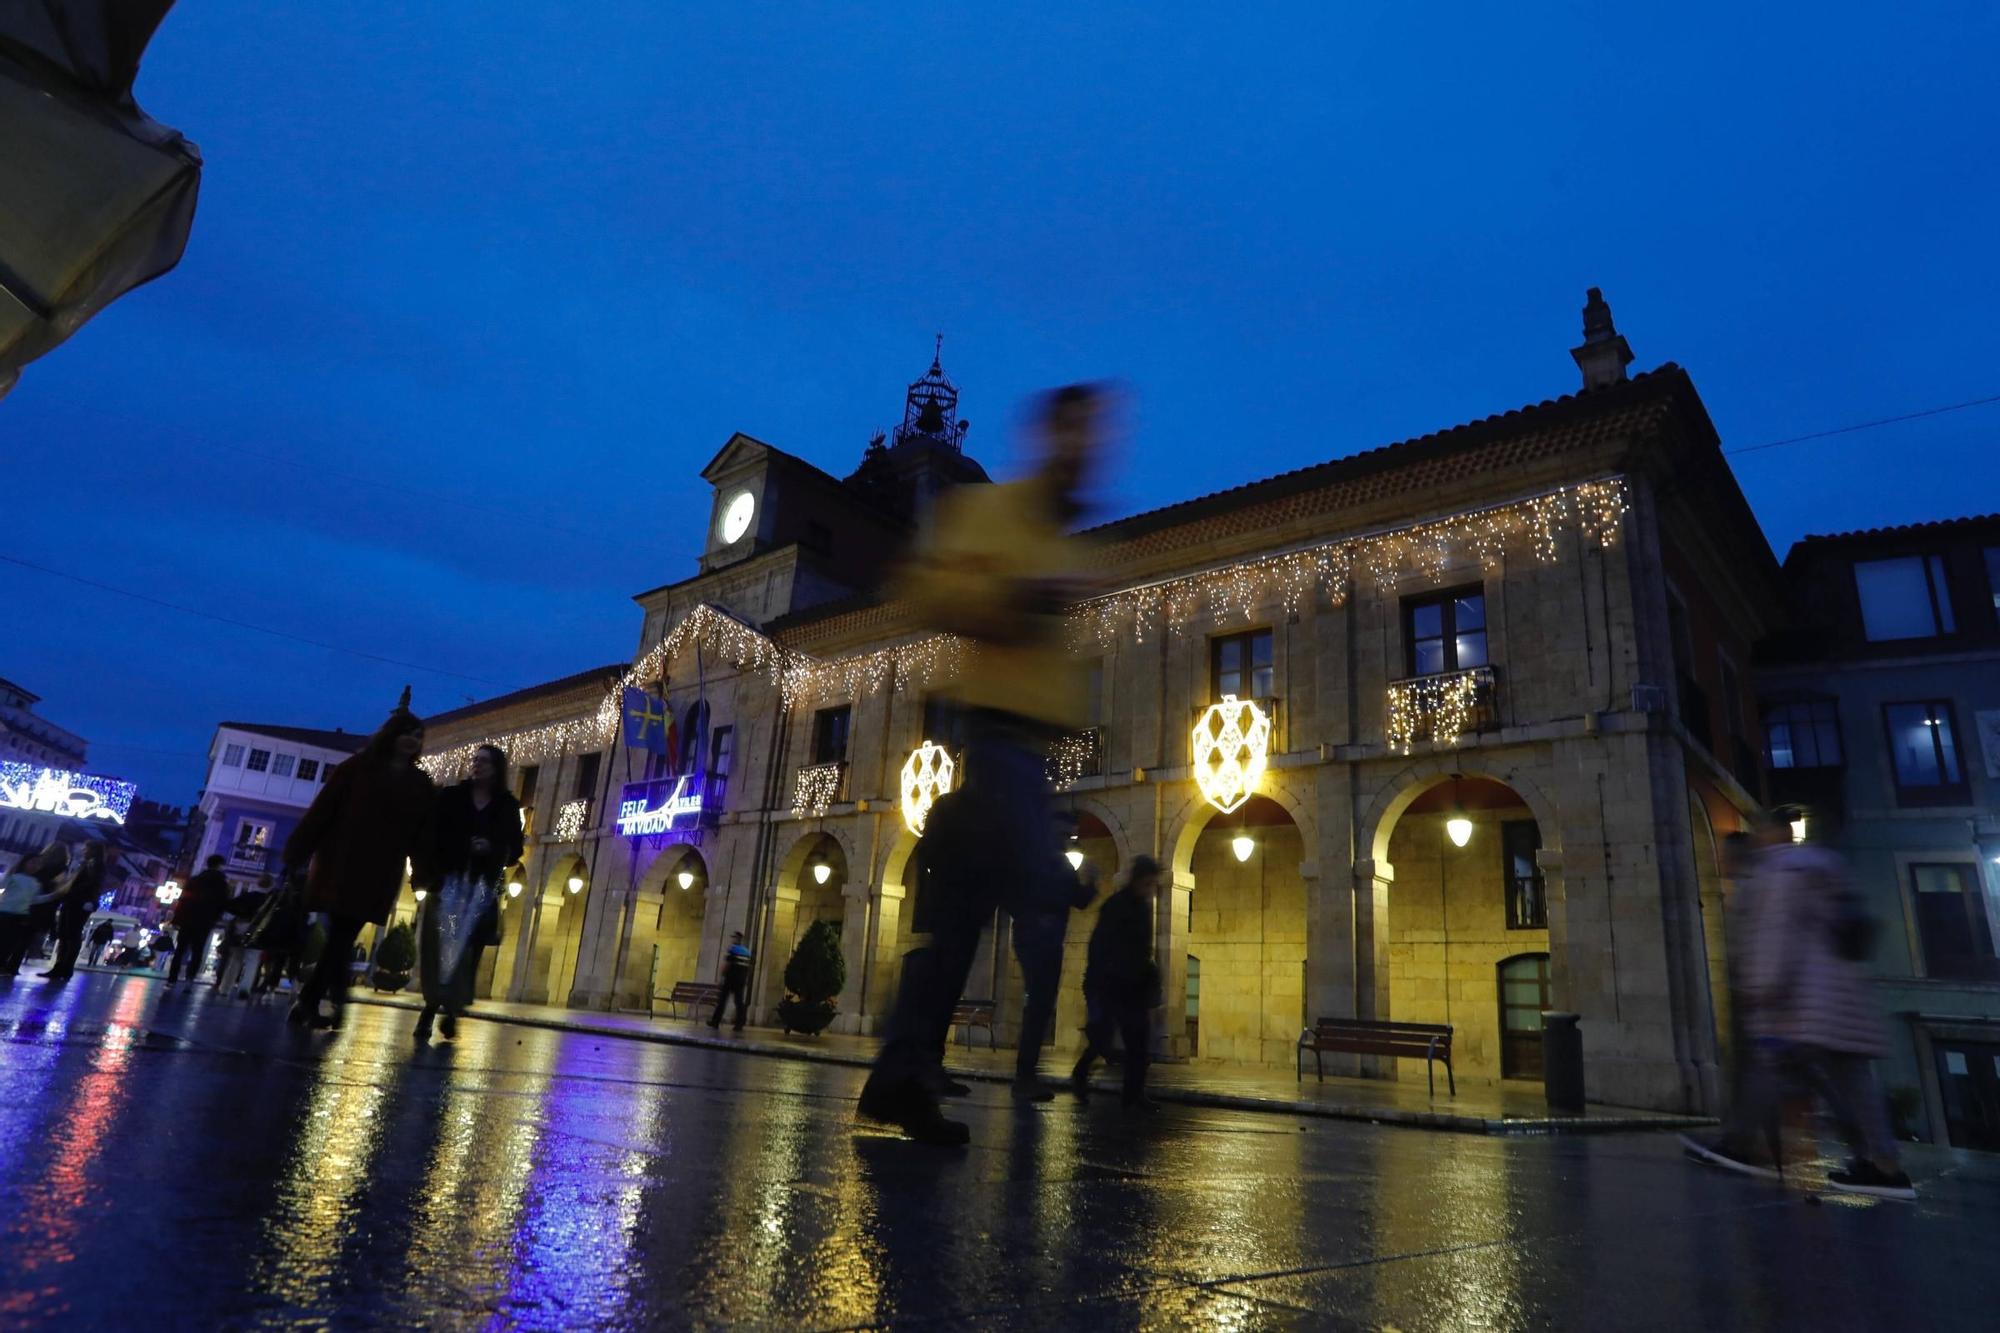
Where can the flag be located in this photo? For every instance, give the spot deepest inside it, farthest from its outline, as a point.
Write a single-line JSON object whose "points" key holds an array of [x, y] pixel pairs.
{"points": [[647, 723]]}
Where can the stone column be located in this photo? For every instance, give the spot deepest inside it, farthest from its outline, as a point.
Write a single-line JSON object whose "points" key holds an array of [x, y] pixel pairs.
{"points": [[774, 950], [1373, 881], [854, 950], [1550, 861], [884, 964], [1170, 929]]}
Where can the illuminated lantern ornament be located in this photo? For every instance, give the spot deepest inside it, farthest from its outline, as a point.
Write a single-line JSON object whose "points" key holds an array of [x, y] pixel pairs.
{"points": [[576, 884], [1243, 844], [927, 775], [686, 878], [1232, 742], [822, 872]]}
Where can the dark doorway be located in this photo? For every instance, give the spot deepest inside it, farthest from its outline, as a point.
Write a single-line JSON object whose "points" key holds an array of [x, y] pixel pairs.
{"points": [[1524, 994]]}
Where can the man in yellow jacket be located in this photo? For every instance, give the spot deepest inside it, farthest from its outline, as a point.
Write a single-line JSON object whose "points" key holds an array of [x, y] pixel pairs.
{"points": [[999, 568]]}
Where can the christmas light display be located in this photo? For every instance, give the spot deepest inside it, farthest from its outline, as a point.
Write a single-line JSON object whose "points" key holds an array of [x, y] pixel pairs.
{"points": [[1438, 708], [1232, 743], [1593, 511], [639, 817], [1072, 757], [569, 819], [57, 791], [927, 775], [814, 788]]}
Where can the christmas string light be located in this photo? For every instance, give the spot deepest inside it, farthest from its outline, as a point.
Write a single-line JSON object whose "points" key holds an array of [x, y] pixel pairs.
{"points": [[813, 789], [1072, 757], [569, 820], [1437, 707]]}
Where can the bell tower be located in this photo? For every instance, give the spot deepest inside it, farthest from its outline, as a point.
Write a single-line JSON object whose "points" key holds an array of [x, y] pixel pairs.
{"points": [[926, 453]]}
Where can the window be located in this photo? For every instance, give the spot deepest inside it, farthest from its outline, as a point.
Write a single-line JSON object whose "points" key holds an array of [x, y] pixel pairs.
{"points": [[253, 833], [232, 756], [1952, 922], [1524, 995], [1093, 692], [830, 734], [1802, 735], [1905, 598], [1527, 903], [1969, 1084], [260, 761], [586, 777], [1446, 633], [721, 753], [1240, 664], [308, 769], [1925, 752], [531, 774], [281, 765], [944, 723]]}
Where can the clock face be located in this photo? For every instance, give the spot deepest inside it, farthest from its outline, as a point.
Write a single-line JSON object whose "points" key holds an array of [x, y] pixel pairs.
{"points": [[736, 516]]}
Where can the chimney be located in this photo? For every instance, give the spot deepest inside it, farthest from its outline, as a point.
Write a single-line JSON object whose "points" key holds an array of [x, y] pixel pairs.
{"points": [[1604, 354]]}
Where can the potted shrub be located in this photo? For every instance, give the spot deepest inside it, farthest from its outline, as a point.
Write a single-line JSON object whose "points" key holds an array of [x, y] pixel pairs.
{"points": [[813, 980], [395, 960]]}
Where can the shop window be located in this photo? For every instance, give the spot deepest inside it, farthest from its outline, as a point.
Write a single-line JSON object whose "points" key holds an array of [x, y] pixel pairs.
{"points": [[1923, 746], [1524, 995], [1446, 632], [1527, 903], [1240, 664], [1904, 598], [1952, 922], [829, 737], [1802, 735]]}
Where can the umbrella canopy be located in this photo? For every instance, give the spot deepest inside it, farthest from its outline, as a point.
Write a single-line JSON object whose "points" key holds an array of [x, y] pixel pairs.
{"points": [[95, 197]]}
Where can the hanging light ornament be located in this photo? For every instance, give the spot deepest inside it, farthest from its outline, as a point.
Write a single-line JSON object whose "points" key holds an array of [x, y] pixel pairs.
{"points": [[1458, 828], [1243, 844], [575, 884], [686, 878], [822, 872], [1232, 744], [927, 774]]}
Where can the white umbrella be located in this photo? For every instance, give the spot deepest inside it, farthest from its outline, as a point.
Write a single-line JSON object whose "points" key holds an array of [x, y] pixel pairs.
{"points": [[95, 197]]}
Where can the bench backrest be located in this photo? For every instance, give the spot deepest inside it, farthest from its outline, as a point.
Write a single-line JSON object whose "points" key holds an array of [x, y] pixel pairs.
{"points": [[979, 1010], [692, 990], [1371, 1037]]}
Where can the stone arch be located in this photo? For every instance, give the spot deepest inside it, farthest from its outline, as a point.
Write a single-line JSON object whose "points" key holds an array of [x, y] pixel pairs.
{"points": [[1120, 839], [799, 898], [1400, 792], [1195, 814]]}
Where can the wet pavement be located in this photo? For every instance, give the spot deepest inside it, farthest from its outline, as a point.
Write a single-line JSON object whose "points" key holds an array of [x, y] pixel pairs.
{"points": [[185, 1162]]}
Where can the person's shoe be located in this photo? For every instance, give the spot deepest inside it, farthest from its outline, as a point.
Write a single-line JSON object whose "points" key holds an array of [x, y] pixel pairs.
{"points": [[299, 1016], [911, 1109], [1031, 1090], [1716, 1153], [423, 1032], [448, 1027], [942, 1084], [57, 976], [1860, 1177]]}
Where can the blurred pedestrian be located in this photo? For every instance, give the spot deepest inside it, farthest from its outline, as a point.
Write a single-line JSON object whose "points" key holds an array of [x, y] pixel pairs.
{"points": [[31, 881], [56, 859], [101, 936], [998, 566], [275, 937], [76, 899], [1810, 1016], [196, 912], [1041, 925], [238, 959], [354, 842], [1121, 982], [473, 836], [735, 981]]}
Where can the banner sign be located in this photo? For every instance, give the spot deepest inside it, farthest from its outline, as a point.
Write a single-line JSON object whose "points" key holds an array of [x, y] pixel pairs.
{"points": [[649, 808], [57, 791]]}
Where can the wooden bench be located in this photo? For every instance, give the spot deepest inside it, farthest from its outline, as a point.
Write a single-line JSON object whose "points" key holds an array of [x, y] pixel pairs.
{"points": [[694, 994], [1428, 1042], [970, 1014]]}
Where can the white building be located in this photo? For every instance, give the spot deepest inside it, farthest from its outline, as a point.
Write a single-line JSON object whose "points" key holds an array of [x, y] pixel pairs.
{"points": [[260, 780]]}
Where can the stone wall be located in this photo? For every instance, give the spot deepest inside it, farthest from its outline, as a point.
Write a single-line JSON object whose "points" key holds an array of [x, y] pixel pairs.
{"points": [[1247, 925]]}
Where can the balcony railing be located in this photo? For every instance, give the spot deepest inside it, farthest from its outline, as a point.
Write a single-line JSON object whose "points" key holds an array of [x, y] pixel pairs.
{"points": [[1078, 755], [817, 786], [244, 857], [1438, 708], [572, 818]]}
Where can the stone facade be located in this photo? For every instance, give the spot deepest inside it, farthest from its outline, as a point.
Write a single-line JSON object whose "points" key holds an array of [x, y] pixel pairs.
{"points": [[1344, 905]]}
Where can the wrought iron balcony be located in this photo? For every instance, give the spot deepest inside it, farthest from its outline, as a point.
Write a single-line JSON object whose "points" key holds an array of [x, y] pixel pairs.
{"points": [[1438, 708], [572, 818], [1078, 755], [817, 786], [245, 857]]}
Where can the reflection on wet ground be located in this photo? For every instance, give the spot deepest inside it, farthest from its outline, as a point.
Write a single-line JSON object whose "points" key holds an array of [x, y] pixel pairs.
{"points": [[185, 1162]]}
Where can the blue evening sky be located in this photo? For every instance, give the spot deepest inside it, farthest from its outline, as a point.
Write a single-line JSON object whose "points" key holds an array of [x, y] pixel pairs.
{"points": [[474, 290]]}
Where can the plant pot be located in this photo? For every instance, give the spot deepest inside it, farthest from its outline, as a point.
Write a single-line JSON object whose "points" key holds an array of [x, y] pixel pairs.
{"points": [[390, 982], [807, 1017]]}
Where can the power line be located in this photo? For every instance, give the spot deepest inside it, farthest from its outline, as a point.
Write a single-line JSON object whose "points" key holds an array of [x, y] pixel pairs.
{"points": [[243, 624], [1867, 425]]}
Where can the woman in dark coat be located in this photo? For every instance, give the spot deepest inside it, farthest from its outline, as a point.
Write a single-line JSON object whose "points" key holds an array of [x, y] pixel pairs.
{"points": [[474, 835], [78, 899], [360, 831]]}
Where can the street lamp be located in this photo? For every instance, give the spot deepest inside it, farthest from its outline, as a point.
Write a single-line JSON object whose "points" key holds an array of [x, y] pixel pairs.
{"points": [[1458, 828], [1075, 856], [576, 883], [686, 878], [1243, 844], [513, 888], [822, 872], [419, 894]]}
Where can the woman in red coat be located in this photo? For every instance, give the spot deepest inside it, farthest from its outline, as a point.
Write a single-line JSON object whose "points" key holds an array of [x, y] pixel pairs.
{"points": [[360, 831]]}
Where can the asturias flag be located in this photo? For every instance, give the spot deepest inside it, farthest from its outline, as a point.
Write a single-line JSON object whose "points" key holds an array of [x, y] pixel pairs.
{"points": [[647, 723]]}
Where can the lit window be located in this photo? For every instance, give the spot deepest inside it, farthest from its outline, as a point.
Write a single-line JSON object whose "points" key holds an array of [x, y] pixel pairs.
{"points": [[281, 765], [1925, 750], [1802, 735], [260, 760], [1445, 633], [1905, 598], [308, 769], [232, 756]]}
